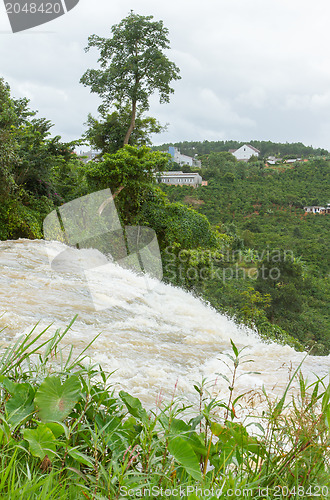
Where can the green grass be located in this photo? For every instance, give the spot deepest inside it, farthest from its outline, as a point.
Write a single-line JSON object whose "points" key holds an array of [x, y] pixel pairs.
{"points": [[64, 433]]}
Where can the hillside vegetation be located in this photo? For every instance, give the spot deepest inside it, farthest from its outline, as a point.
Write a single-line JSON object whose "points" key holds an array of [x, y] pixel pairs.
{"points": [[261, 210]]}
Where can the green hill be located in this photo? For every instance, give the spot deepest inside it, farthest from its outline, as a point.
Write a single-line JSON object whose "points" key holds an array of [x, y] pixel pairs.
{"points": [[261, 210]]}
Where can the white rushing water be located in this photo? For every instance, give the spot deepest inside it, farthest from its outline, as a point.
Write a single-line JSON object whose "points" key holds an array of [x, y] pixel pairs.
{"points": [[154, 340]]}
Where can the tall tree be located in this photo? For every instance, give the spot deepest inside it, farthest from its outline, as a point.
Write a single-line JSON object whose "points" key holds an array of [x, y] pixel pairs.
{"points": [[133, 66]]}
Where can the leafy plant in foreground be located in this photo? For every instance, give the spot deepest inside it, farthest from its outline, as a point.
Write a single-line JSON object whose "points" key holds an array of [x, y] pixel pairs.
{"points": [[64, 433]]}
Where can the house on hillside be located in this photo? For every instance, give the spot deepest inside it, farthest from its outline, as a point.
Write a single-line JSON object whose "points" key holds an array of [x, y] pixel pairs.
{"points": [[245, 152], [272, 160], [180, 179], [292, 160], [181, 159], [316, 209]]}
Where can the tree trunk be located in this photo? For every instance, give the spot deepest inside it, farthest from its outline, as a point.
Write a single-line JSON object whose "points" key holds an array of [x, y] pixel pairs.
{"points": [[132, 124]]}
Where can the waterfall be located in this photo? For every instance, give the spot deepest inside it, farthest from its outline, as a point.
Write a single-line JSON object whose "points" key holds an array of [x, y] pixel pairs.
{"points": [[154, 339]]}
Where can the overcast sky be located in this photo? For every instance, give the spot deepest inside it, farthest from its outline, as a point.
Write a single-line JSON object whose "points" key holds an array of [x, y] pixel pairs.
{"points": [[251, 69]]}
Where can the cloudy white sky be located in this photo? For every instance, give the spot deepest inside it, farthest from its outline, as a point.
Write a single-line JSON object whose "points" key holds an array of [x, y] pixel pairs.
{"points": [[251, 69]]}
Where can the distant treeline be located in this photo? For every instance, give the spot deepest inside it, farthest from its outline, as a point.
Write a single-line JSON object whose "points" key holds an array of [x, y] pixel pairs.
{"points": [[266, 148]]}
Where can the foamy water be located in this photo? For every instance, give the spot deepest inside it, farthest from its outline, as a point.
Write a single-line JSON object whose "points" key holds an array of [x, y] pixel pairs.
{"points": [[155, 340]]}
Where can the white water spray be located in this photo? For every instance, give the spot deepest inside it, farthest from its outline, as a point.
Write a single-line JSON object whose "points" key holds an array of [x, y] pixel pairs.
{"points": [[154, 339]]}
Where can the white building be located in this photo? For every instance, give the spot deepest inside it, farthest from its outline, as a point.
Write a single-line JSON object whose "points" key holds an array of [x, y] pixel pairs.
{"points": [[245, 152], [292, 160], [272, 160], [181, 159], [316, 209], [176, 178]]}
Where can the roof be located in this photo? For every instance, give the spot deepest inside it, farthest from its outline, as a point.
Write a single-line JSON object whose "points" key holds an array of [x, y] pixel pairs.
{"points": [[254, 149], [179, 174], [248, 145]]}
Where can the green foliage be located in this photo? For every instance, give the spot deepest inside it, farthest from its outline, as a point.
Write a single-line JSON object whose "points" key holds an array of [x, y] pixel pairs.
{"points": [[130, 170], [9, 118], [179, 226], [185, 238], [107, 134], [67, 179], [41, 441], [55, 400], [22, 217], [253, 299], [282, 286], [134, 406], [33, 169], [184, 454], [20, 406]]}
